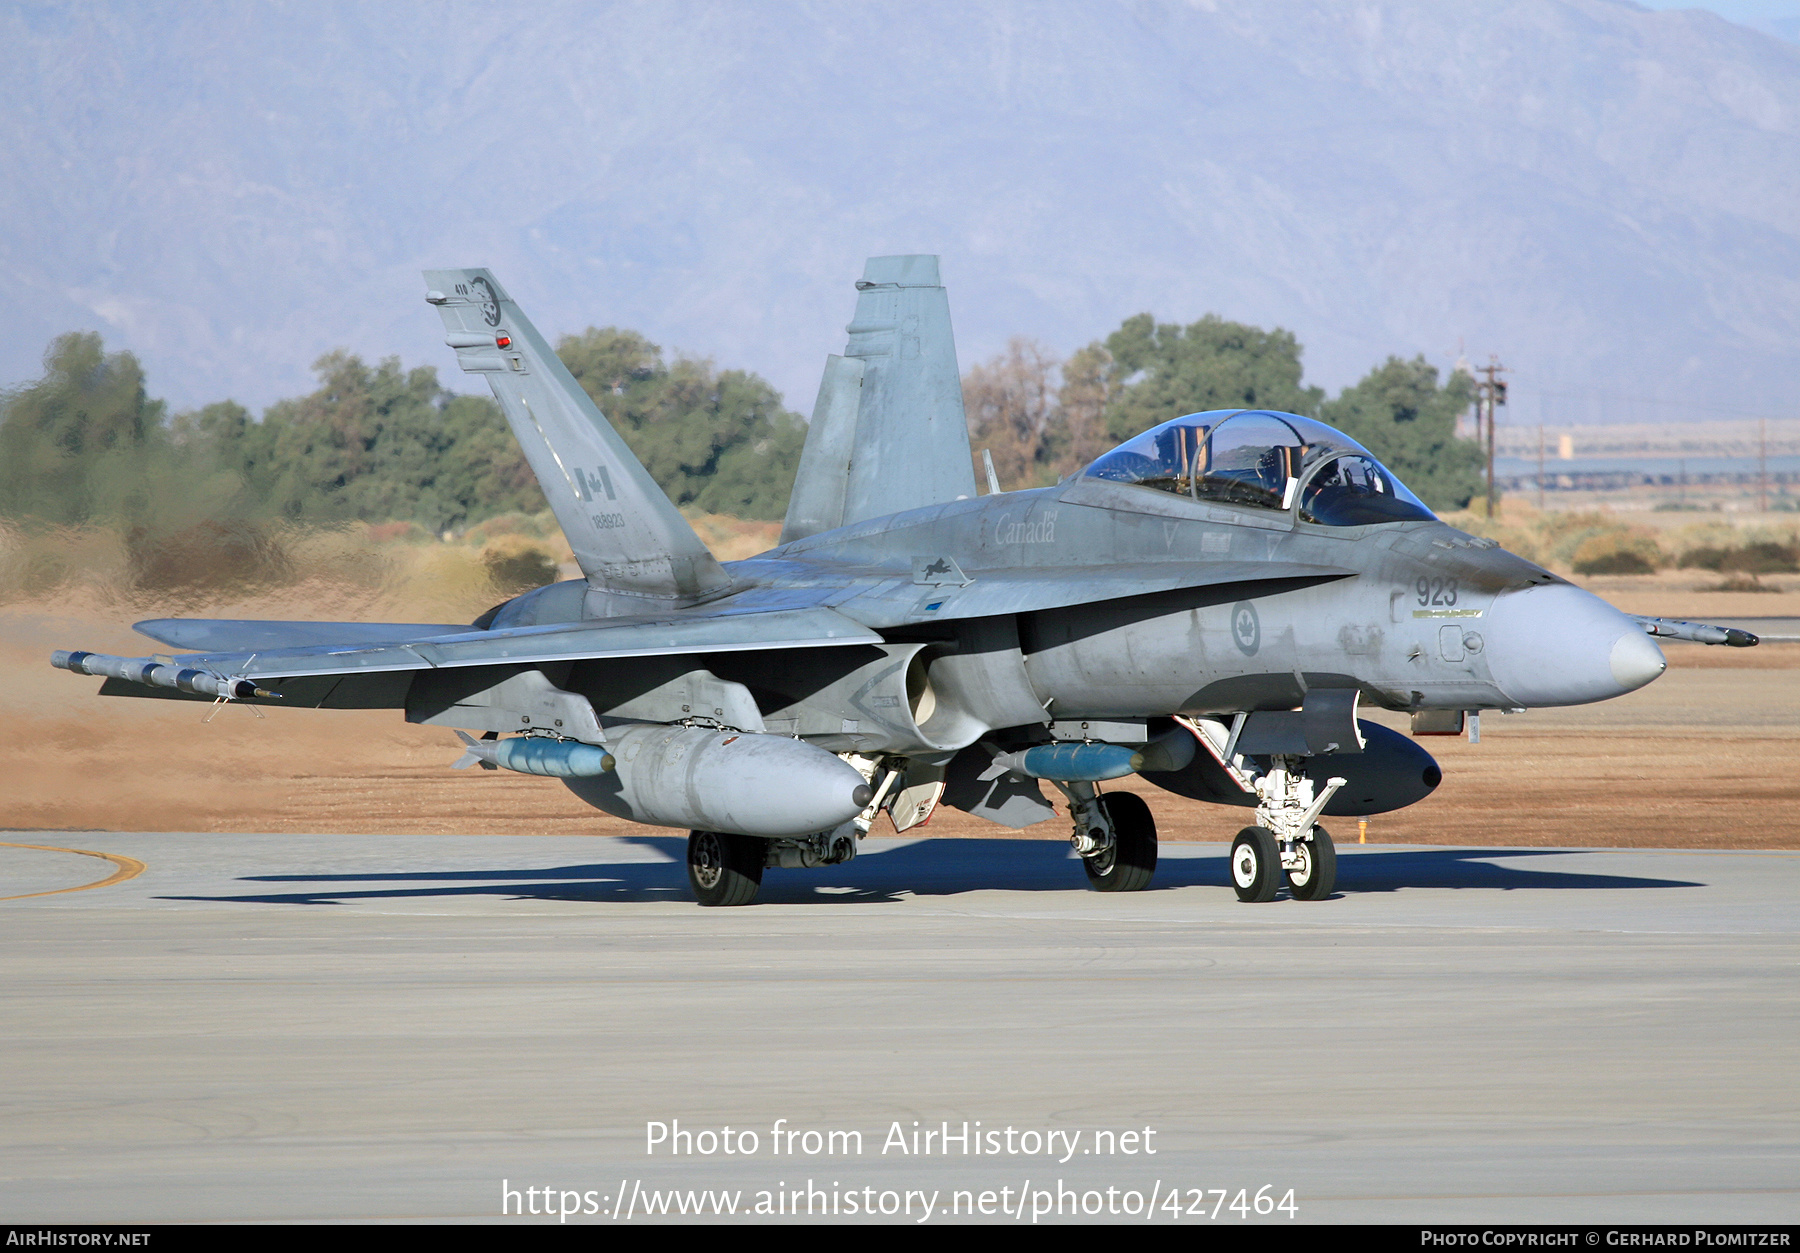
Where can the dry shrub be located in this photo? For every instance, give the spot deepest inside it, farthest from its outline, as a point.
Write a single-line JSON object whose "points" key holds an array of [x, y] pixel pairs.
{"points": [[393, 571], [1564, 533], [517, 564], [540, 526], [733, 539], [1518, 529], [342, 554], [1751, 557], [1589, 543], [46, 561], [207, 555], [1705, 557], [345, 573], [1741, 583], [1616, 552], [399, 533], [1764, 557]]}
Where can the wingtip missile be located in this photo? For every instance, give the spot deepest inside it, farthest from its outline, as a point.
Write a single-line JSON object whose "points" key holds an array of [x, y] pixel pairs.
{"points": [[153, 673], [1697, 632]]}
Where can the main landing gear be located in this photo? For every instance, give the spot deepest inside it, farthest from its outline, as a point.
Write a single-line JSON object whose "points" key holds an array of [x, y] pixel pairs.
{"points": [[1115, 835], [725, 869]]}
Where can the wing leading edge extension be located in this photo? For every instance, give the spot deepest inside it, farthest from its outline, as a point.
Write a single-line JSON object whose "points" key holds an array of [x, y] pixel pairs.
{"points": [[892, 599]]}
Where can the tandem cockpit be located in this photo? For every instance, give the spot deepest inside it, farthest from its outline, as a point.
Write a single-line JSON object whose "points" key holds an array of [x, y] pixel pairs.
{"points": [[1264, 460]]}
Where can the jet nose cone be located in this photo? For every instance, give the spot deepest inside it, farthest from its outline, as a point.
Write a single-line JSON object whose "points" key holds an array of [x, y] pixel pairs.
{"points": [[1635, 660], [1559, 645]]}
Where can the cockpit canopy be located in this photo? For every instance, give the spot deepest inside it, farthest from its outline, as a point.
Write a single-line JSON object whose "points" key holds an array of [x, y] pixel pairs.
{"points": [[1266, 461]]}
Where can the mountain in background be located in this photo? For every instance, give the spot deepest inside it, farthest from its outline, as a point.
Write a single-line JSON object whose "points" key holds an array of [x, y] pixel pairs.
{"points": [[1605, 196]]}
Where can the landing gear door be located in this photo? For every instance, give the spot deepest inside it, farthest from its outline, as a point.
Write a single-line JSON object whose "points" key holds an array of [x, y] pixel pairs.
{"points": [[918, 796]]}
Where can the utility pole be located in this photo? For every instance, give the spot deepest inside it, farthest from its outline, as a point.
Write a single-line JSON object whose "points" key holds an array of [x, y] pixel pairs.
{"points": [[1491, 392], [1762, 467], [1540, 480]]}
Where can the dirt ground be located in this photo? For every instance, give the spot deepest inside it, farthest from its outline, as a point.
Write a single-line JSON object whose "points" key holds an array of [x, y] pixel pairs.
{"points": [[1706, 757]]}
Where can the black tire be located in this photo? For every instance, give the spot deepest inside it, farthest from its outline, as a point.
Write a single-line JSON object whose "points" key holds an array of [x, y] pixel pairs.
{"points": [[724, 869], [1317, 877], [1255, 865], [1130, 864]]}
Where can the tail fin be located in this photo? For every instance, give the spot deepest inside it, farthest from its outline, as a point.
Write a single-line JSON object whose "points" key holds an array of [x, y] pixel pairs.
{"points": [[888, 432], [627, 535]]}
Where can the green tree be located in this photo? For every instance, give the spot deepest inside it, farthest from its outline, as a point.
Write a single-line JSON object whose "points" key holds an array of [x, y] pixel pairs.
{"points": [[1159, 371], [718, 440], [86, 424], [372, 443], [85, 443], [1076, 431], [1399, 412]]}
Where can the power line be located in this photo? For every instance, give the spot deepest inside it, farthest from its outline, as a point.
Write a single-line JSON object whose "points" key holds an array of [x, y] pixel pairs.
{"points": [[1656, 400]]}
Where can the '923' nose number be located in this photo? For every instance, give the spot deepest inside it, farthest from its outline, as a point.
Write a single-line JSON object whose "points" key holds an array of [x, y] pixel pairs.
{"points": [[1436, 591]]}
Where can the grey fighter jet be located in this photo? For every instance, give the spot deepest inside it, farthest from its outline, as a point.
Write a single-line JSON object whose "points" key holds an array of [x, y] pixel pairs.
{"points": [[1206, 606]]}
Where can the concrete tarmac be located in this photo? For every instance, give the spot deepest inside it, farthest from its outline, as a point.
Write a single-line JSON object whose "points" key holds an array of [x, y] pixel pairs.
{"points": [[397, 1027]]}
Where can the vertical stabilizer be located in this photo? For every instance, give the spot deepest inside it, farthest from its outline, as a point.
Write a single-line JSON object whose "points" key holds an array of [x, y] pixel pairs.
{"points": [[905, 444], [824, 474], [627, 535]]}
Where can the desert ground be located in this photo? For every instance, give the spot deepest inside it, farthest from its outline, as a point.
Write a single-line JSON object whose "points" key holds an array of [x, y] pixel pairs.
{"points": [[329, 977]]}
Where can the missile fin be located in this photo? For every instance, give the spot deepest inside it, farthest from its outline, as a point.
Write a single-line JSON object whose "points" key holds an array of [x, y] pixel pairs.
{"points": [[472, 755]]}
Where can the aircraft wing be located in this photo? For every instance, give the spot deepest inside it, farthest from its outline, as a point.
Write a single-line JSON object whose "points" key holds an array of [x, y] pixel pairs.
{"points": [[835, 611], [812, 607], [462, 646], [245, 635]]}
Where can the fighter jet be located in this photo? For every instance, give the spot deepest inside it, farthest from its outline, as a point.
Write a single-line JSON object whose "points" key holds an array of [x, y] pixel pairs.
{"points": [[1204, 608]]}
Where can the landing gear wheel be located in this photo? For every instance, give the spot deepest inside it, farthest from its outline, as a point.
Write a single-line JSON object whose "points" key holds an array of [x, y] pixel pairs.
{"points": [[1255, 865], [724, 869], [1130, 863], [1317, 874]]}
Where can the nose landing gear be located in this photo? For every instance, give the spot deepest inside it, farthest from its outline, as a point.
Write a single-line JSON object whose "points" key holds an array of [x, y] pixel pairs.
{"points": [[1259, 862], [1286, 840], [1312, 870], [1255, 865]]}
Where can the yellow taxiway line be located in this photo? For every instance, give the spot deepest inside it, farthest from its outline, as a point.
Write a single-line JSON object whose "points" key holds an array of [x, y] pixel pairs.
{"points": [[128, 868]]}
